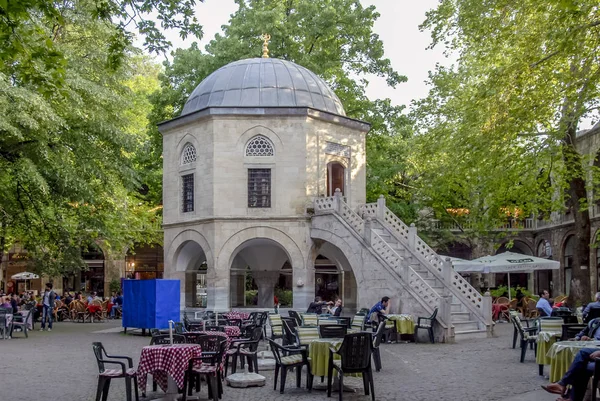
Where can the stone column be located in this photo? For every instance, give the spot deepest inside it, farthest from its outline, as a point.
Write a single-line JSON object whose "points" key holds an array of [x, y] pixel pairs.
{"points": [[266, 280], [303, 283]]}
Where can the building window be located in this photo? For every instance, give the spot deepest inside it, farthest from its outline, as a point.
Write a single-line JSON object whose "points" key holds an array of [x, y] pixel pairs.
{"points": [[260, 146], [189, 154], [187, 193], [259, 187]]}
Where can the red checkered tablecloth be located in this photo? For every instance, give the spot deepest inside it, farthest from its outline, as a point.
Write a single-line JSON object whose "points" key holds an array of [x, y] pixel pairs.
{"points": [[237, 315], [232, 331], [161, 360]]}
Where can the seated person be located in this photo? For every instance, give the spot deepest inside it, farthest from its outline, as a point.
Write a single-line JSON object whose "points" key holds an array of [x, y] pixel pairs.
{"points": [[590, 332], [543, 306], [117, 305], [592, 305], [6, 303], [317, 306], [14, 302], [577, 376], [335, 310], [378, 311]]}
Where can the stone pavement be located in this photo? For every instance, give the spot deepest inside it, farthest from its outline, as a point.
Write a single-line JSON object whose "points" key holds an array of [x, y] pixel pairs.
{"points": [[61, 365]]}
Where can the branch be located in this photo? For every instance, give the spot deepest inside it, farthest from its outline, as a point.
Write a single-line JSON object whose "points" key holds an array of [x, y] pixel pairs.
{"points": [[543, 60]]}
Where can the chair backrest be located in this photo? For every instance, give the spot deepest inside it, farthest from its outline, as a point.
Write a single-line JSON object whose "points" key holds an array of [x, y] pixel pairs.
{"points": [[209, 343], [256, 333], [363, 311], [309, 319], [378, 335], [516, 320], [562, 312], [276, 324], [163, 339], [191, 338], [502, 300], [294, 314], [551, 324], [179, 329], [356, 352], [513, 304], [358, 321], [593, 314], [234, 322], [154, 332], [347, 321], [214, 328], [304, 335], [541, 312], [570, 330], [99, 353], [333, 330], [435, 312], [289, 328], [326, 320]]}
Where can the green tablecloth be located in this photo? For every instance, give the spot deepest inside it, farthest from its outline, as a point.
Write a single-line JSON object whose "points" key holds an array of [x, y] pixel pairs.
{"points": [[561, 355], [318, 352], [544, 342], [404, 323]]}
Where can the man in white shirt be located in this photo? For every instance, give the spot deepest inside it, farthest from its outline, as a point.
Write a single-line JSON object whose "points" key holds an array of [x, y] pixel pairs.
{"points": [[543, 303]]}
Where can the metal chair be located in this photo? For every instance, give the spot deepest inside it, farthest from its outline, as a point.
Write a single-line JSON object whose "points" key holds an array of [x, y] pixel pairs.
{"points": [[106, 375], [426, 323], [355, 353], [289, 358], [333, 331]]}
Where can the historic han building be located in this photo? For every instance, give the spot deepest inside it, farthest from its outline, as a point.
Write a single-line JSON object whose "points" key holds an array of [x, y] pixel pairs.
{"points": [[251, 169]]}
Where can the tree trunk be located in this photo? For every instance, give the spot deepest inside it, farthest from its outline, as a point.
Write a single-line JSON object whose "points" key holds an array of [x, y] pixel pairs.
{"points": [[580, 291]]}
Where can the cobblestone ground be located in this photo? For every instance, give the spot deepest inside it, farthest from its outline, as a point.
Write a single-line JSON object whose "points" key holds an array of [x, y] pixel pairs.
{"points": [[61, 365]]}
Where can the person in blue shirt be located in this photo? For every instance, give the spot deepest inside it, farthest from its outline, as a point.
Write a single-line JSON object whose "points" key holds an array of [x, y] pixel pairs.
{"points": [[543, 303], [578, 376], [590, 332], [592, 305], [380, 309]]}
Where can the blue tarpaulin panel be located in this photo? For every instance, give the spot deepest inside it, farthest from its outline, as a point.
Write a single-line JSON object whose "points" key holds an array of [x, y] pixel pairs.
{"points": [[149, 304]]}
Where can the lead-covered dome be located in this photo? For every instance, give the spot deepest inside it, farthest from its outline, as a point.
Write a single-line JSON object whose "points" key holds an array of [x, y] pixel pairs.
{"points": [[263, 82]]}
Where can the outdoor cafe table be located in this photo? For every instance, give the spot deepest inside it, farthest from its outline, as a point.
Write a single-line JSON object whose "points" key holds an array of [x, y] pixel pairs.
{"points": [[404, 323], [162, 361], [562, 354]]}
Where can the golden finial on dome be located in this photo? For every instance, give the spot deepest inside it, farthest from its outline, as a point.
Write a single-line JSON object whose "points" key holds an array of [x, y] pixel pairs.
{"points": [[266, 37]]}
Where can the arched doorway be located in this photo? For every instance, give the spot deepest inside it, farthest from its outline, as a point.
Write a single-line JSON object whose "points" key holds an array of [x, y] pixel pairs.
{"points": [[334, 277], [144, 262], [260, 269], [191, 259], [336, 178], [568, 250], [92, 280]]}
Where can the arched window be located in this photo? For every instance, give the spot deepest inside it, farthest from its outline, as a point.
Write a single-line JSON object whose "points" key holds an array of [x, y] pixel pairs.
{"points": [[260, 146], [188, 155]]}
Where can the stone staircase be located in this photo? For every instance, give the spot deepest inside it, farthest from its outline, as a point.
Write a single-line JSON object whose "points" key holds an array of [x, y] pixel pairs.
{"points": [[462, 311]]}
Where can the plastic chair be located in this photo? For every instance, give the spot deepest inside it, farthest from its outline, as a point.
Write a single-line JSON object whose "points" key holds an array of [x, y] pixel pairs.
{"points": [[179, 328], [276, 326], [106, 375], [164, 339], [289, 327], [210, 367], [288, 358], [570, 330], [528, 336], [355, 353], [376, 342], [244, 348], [426, 323], [332, 331], [22, 321], [592, 314]]}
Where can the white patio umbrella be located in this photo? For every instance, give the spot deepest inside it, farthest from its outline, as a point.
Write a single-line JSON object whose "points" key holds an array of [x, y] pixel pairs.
{"points": [[464, 265], [511, 262], [25, 276]]}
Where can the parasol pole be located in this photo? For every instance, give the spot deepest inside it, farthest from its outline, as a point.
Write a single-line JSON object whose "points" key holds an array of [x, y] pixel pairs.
{"points": [[509, 297]]}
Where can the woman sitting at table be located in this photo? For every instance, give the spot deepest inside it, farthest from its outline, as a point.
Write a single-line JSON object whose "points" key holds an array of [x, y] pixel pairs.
{"points": [[336, 309], [577, 376]]}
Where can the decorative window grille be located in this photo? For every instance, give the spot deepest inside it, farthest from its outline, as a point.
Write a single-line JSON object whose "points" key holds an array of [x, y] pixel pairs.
{"points": [[189, 154], [259, 187], [187, 192], [260, 146]]}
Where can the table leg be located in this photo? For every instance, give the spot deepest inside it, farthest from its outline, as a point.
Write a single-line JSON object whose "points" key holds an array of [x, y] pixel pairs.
{"points": [[172, 393]]}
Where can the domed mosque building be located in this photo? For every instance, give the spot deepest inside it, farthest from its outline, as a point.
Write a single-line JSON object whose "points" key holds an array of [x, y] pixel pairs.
{"points": [[251, 169]]}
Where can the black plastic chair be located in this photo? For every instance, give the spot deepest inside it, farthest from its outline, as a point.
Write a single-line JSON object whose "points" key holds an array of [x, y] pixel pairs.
{"points": [[296, 316], [289, 327], [541, 312], [355, 353], [244, 348], [21, 321], [376, 342], [528, 336], [426, 323], [570, 330], [179, 328], [164, 339], [288, 358], [332, 330], [345, 321], [592, 314], [210, 367], [191, 338], [106, 375]]}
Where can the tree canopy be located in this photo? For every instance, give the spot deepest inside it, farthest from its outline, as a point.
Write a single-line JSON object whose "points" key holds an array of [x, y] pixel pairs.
{"points": [[72, 91], [497, 131]]}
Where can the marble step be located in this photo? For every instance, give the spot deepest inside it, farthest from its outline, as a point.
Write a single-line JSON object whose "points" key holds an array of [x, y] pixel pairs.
{"points": [[469, 334], [460, 316], [465, 326]]}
